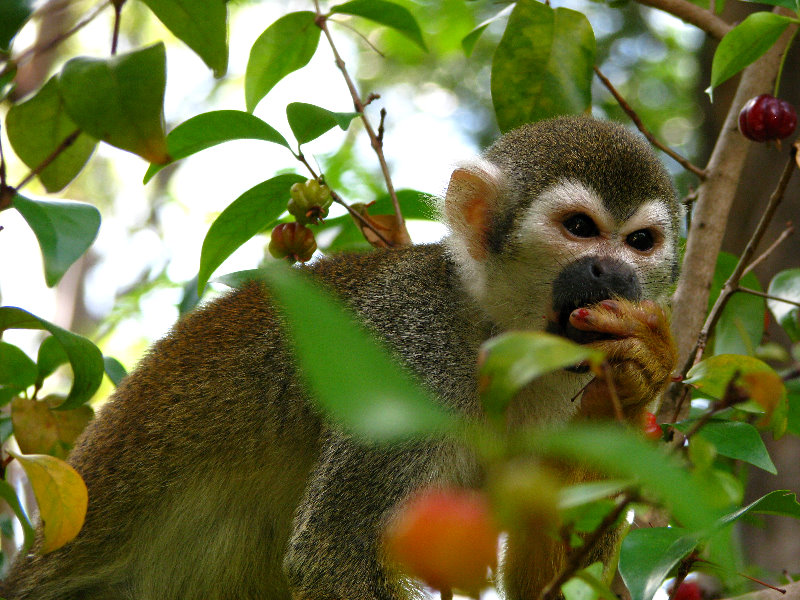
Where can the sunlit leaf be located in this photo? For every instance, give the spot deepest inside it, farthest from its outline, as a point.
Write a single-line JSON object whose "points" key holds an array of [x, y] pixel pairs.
{"points": [[13, 14], [249, 214], [386, 13], [51, 356], [61, 496], [469, 40], [200, 24], [37, 127], [308, 122], [587, 584], [84, 357], [649, 554], [543, 66], [39, 429], [353, 378], [114, 369], [209, 129], [8, 494], [285, 46], [740, 441], [64, 230], [745, 43], [120, 100], [786, 284], [790, 4]]}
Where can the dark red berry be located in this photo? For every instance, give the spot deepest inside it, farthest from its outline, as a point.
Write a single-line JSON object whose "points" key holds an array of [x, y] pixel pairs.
{"points": [[688, 590], [293, 241], [767, 118]]}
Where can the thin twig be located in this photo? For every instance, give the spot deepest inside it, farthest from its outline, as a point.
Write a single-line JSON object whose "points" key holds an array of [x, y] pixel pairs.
{"points": [[377, 146], [117, 18], [733, 281], [767, 296], [359, 34], [68, 141], [783, 235], [691, 13], [360, 218], [576, 558], [646, 132]]}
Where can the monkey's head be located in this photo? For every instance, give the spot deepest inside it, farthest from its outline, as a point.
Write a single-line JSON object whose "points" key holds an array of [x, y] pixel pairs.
{"points": [[561, 214]]}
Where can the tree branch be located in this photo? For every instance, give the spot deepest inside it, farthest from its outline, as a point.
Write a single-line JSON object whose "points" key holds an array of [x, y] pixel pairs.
{"points": [[693, 14]]}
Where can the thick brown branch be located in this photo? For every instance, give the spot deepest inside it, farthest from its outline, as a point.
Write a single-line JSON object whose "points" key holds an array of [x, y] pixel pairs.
{"points": [[693, 14], [646, 132]]}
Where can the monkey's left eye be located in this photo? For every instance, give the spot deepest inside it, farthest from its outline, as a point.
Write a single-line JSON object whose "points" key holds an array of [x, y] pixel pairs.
{"points": [[641, 240], [581, 225]]}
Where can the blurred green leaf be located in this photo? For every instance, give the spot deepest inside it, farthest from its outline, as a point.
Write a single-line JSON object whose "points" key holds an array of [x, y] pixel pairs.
{"points": [[469, 40], [308, 122], [543, 66], [246, 216], [51, 356], [745, 43], [779, 502], [84, 357], [285, 46], [790, 4], [587, 584], [17, 370], [120, 100], [114, 369], [623, 453], [200, 24], [37, 127], [793, 396], [649, 554], [386, 13], [512, 360], [741, 324], [353, 377], [712, 375], [13, 15], [209, 129], [786, 284], [8, 494], [64, 230]]}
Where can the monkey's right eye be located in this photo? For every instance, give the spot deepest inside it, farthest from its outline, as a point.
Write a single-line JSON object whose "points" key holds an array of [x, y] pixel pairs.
{"points": [[581, 225]]}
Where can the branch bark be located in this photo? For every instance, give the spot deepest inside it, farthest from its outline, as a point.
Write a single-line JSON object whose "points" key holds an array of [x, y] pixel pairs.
{"points": [[693, 14], [714, 199]]}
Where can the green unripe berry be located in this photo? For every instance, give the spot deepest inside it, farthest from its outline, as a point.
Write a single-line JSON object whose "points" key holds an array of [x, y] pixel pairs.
{"points": [[309, 201]]}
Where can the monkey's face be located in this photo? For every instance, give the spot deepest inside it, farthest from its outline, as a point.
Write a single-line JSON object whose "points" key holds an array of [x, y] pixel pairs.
{"points": [[568, 250]]}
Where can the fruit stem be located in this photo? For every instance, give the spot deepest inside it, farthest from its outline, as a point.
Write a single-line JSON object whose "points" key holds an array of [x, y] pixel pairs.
{"points": [[783, 61]]}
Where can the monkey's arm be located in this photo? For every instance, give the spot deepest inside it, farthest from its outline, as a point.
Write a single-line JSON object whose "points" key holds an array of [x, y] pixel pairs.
{"points": [[640, 352]]}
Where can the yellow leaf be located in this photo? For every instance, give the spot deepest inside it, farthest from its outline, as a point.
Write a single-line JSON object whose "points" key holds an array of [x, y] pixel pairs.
{"points": [[61, 495]]}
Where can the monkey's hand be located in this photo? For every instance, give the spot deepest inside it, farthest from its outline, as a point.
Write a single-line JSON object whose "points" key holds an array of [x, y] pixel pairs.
{"points": [[640, 355]]}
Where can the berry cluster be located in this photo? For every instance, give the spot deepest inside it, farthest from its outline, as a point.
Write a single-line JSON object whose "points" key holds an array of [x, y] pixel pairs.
{"points": [[309, 204]]}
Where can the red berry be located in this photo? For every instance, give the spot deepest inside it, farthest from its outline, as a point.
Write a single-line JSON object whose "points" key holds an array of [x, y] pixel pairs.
{"points": [[688, 590], [447, 538], [651, 427], [767, 118], [292, 240]]}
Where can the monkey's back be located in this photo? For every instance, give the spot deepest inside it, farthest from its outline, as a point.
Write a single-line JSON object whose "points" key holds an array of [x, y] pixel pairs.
{"points": [[196, 465]]}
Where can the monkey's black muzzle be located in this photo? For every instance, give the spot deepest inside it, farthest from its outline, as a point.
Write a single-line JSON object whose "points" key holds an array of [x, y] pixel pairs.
{"points": [[587, 281]]}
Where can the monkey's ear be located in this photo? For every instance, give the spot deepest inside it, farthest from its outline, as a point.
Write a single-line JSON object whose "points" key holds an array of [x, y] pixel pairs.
{"points": [[472, 199]]}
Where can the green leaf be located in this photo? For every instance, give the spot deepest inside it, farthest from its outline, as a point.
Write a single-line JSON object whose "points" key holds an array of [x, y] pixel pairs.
{"points": [[512, 360], [64, 230], [745, 43], [114, 369], [469, 40], [200, 24], [790, 4], [84, 357], [8, 494], [712, 375], [587, 584], [51, 356], [17, 370], [543, 65], [120, 100], [793, 396], [583, 493], [353, 377], [386, 13], [209, 129], [37, 127], [786, 284], [13, 14], [249, 214], [648, 555], [780, 502], [622, 453], [737, 440], [308, 122], [741, 324], [285, 46]]}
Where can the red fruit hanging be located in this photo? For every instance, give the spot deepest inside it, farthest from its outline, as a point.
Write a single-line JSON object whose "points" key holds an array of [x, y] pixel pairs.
{"points": [[767, 118]]}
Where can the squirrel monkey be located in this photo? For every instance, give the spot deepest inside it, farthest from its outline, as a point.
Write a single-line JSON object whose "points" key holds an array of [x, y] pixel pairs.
{"points": [[212, 477]]}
